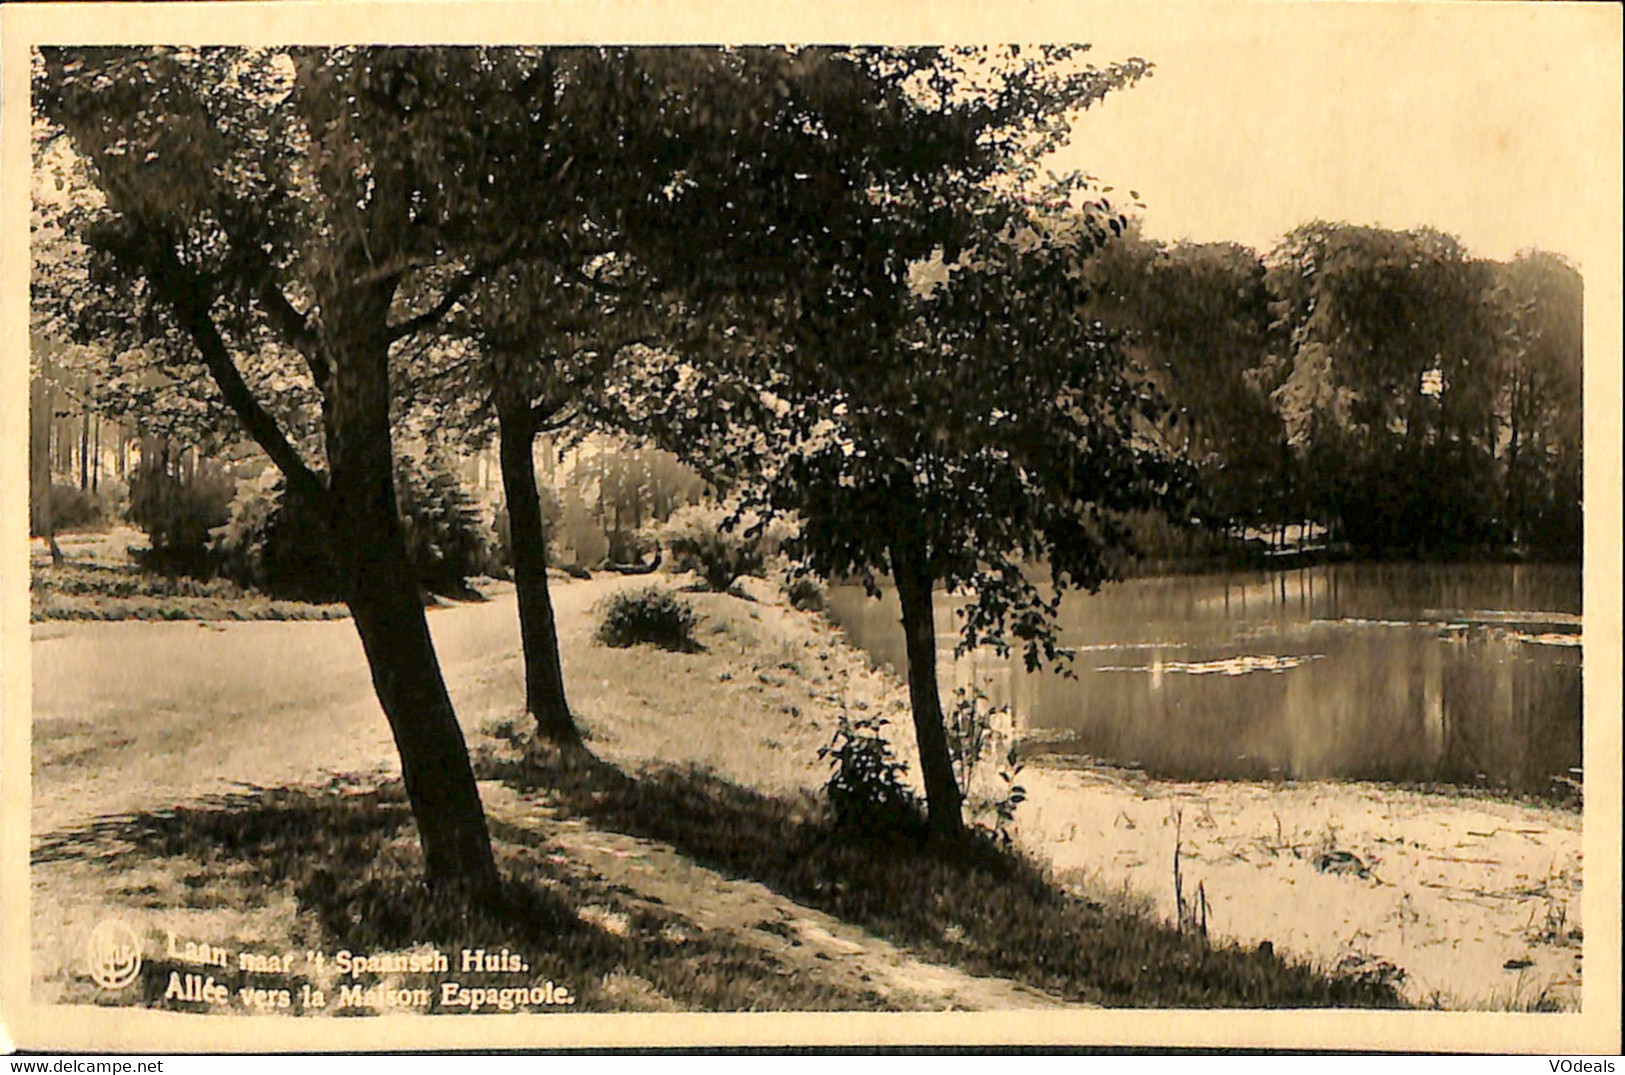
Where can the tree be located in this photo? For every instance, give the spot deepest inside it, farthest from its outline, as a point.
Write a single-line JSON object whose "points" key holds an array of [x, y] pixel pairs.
{"points": [[1388, 344], [339, 204], [793, 160], [940, 403], [535, 338], [1198, 316], [1538, 300]]}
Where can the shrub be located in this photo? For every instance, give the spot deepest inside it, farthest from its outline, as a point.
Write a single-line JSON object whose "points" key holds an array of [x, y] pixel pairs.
{"points": [[865, 788], [272, 541], [973, 726], [70, 509], [706, 539], [648, 614], [805, 594], [445, 536], [178, 511]]}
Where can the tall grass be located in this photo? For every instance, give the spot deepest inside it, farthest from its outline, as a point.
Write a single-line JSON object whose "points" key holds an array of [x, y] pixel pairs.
{"points": [[979, 905]]}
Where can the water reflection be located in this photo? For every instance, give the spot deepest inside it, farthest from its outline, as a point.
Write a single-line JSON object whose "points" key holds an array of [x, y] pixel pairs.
{"points": [[1465, 674]]}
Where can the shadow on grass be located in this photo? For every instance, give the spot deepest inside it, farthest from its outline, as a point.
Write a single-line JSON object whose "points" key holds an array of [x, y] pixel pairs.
{"points": [[975, 906], [351, 860]]}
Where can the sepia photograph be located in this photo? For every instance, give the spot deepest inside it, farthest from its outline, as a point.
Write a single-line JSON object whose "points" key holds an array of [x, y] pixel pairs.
{"points": [[845, 527]]}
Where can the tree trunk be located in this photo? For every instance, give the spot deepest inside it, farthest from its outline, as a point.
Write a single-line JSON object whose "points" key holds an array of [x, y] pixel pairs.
{"points": [[41, 420], [434, 756], [942, 796], [389, 616], [527, 548], [85, 450]]}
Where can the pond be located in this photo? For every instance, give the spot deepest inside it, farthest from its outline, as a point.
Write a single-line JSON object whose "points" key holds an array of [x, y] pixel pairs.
{"points": [[1414, 673]]}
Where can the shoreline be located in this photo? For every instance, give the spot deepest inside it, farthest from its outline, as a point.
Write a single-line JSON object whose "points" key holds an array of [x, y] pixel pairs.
{"points": [[1446, 890], [1063, 762], [1464, 902]]}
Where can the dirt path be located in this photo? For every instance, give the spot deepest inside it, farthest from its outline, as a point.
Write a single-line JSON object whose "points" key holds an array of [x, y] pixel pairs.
{"points": [[134, 715], [815, 945]]}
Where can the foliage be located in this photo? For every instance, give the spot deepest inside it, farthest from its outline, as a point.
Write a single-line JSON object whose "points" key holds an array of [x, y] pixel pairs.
{"points": [[805, 593], [653, 614], [973, 725], [971, 728], [866, 788], [445, 536], [934, 400], [177, 510], [1407, 397], [1538, 300], [1386, 342], [1013, 795], [71, 508], [272, 543], [1197, 316], [717, 544]]}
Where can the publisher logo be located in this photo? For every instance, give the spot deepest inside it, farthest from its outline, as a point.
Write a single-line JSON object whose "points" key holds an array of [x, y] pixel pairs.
{"points": [[115, 954]]}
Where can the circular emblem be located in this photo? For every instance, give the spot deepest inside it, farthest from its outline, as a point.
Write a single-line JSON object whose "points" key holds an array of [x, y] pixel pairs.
{"points": [[115, 954]]}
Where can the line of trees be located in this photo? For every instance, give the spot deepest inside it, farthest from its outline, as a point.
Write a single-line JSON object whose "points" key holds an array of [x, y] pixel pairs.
{"points": [[1383, 385]]}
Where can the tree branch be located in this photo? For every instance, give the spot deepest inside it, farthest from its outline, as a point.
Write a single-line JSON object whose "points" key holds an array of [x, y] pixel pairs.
{"points": [[457, 292], [185, 295], [296, 327], [546, 416]]}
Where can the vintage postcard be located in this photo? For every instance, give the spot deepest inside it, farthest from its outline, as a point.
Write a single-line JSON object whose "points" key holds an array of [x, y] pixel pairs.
{"points": [[536, 525]]}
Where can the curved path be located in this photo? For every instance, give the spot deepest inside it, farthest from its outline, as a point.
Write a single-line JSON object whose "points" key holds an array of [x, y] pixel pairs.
{"points": [[135, 715]]}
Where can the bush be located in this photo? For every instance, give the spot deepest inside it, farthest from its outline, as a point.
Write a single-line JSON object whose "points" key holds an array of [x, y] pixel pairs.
{"points": [[71, 509], [445, 536], [648, 614], [805, 594], [177, 512], [272, 541], [972, 726], [701, 540], [865, 789]]}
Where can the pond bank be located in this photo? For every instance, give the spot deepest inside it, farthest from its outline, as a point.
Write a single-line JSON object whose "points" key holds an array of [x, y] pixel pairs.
{"points": [[1475, 901], [1456, 891]]}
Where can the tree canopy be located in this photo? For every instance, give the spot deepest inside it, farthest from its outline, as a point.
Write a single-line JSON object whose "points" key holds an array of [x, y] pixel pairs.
{"points": [[344, 205], [965, 420]]}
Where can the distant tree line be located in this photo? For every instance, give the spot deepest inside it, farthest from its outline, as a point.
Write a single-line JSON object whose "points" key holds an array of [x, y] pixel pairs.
{"points": [[1383, 386]]}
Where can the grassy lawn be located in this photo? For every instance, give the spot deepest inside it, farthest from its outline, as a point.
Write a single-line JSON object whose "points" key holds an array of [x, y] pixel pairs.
{"points": [[339, 868], [101, 591]]}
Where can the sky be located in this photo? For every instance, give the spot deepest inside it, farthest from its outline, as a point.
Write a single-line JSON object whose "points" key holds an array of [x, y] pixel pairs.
{"points": [[1496, 123]]}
